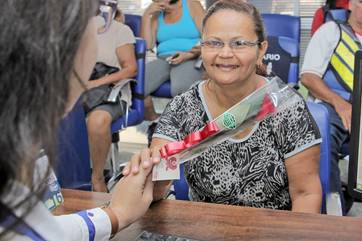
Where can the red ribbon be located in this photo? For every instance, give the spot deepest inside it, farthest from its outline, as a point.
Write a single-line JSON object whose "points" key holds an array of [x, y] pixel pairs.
{"points": [[210, 129], [266, 108], [190, 140]]}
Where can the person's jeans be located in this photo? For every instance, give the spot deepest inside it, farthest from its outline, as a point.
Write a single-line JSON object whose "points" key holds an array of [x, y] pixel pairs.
{"points": [[339, 137]]}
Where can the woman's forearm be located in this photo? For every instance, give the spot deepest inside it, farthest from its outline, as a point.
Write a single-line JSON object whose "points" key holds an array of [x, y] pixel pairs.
{"points": [[124, 73], [146, 31], [307, 203]]}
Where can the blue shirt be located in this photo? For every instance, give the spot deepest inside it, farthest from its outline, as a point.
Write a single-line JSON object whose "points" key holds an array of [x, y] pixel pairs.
{"points": [[179, 36]]}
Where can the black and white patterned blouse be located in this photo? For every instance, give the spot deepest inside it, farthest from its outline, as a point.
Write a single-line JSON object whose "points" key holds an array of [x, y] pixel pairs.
{"points": [[249, 171]]}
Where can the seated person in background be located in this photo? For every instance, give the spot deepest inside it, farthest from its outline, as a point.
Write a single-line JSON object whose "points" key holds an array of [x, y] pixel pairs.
{"points": [[276, 165], [332, 47], [116, 49], [174, 25], [320, 15], [119, 16], [39, 84]]}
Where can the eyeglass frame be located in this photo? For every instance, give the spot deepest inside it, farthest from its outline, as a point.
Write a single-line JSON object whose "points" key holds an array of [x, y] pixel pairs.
{"points": [[244, 43]]}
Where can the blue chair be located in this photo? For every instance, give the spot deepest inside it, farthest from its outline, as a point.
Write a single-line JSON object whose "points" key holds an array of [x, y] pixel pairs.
{"points": [[282, 58], [321, 116], [164, 91], [73, 162], [282, 25], [283, 33], [135, 114], [134, 22], [181, 188], [337, 14]]}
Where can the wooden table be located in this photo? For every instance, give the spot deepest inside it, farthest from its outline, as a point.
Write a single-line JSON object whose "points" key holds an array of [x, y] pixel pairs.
{"points": [[221, 222]]}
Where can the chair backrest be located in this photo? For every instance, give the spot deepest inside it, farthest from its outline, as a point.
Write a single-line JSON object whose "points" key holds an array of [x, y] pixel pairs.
{"points": [[321, 117], [336, 14], [282, 58], [282, 25], [73, 164], [181, 187], [136, 112], [134, 22]]}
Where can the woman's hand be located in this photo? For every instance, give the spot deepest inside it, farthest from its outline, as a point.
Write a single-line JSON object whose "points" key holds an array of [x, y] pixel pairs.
{"points": [[146, 159], [344, 110], [131, 197], [93, 84], [154, 8], [180, 57]]}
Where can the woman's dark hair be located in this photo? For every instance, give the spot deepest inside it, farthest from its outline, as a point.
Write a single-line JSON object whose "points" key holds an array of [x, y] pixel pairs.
{"points": [[38, 43], [331, 4], [241, 7]]}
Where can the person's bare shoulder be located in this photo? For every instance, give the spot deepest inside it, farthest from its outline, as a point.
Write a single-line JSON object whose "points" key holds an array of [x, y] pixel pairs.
{"points": [[196, 6]]}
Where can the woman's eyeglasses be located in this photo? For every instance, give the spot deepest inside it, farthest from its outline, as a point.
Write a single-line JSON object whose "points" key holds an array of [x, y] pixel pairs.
{"points": [[235, 45]]}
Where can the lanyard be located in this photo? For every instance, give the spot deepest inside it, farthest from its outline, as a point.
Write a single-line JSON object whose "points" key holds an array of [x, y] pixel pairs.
{"points": [[21, 228]]}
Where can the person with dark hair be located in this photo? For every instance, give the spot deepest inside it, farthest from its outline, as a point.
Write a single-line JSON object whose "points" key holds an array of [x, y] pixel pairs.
{"points": [[320, 15], [273, 165], [119, 16], [173, 26], [115, 49], [48, 50], [327, 73]]}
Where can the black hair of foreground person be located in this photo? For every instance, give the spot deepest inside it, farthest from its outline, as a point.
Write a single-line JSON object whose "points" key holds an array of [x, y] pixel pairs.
{"points": [[37, 50]]}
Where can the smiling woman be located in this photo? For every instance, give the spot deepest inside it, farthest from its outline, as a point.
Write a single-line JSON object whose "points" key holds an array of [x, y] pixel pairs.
{"points": [[276, 164]]}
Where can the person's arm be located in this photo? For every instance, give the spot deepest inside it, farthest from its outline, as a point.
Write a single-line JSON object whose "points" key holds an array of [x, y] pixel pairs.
{"points": [[127, 61], [168, 129], [161, 188], [320, 90], [197, 13], [93, 224], [131, 198], [149, 24], [304, 183], [184, 56], [145, 159], [316, 60]]}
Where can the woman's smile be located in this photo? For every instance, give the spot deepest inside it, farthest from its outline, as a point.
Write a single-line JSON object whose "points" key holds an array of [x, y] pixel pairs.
{"points": [[226, 67]]}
